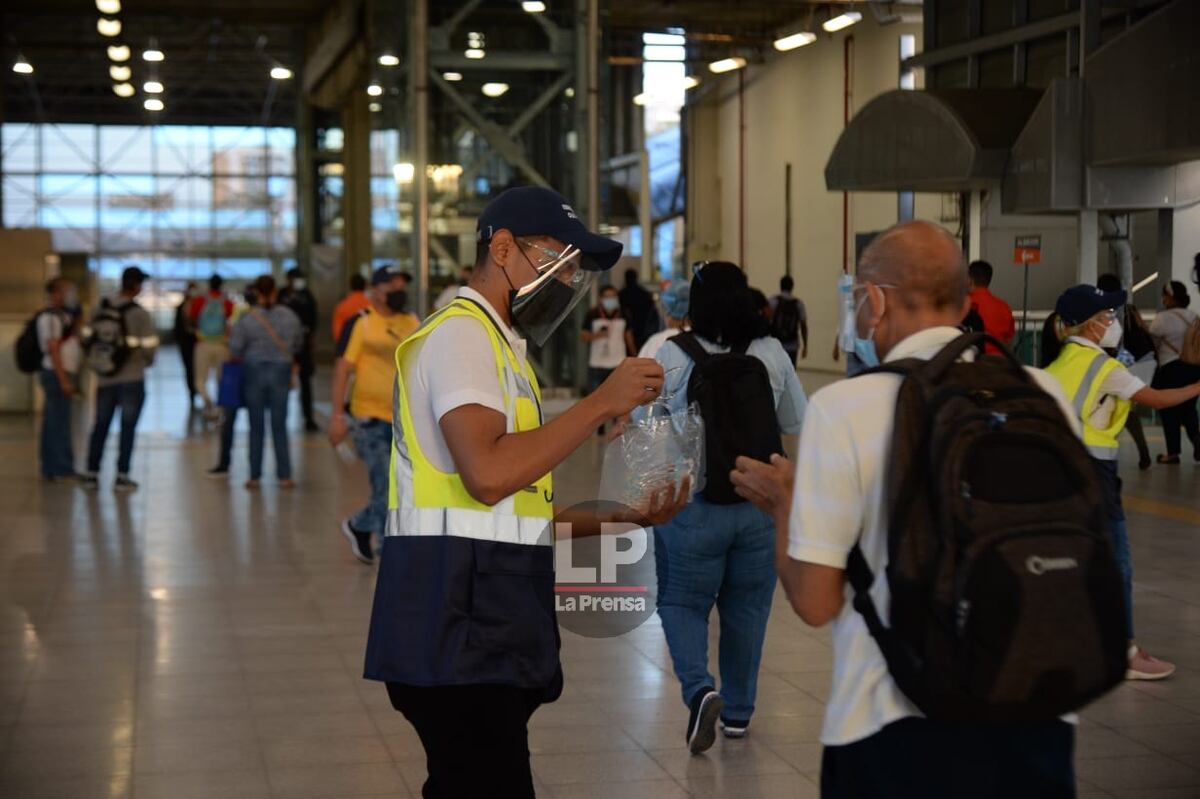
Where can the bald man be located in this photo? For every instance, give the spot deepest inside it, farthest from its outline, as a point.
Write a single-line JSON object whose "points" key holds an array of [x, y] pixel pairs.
{"points": [[910, 295]]}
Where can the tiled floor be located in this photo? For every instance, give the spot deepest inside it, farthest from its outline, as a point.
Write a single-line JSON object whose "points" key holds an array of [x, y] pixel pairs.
{"points": [[194, 640]]}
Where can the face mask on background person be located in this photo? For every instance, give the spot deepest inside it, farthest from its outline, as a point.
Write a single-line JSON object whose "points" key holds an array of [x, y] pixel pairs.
{"points": [[1112, 336], [299, 283], [71, 298], [611, 304], [396, 300]]}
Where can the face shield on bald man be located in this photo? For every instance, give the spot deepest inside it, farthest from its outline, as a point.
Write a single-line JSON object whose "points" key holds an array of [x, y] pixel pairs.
{"points": [[548, 257]]}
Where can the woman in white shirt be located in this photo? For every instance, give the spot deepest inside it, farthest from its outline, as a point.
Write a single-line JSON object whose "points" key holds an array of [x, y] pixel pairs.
{"points": [[1169, 329]]}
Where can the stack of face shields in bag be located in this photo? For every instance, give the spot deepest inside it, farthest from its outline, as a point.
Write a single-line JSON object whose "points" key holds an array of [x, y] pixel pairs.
{"points": [[658, 451]]}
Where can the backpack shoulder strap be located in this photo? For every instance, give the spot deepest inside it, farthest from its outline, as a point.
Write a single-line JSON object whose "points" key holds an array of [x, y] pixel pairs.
{"points": [[691, 347]]}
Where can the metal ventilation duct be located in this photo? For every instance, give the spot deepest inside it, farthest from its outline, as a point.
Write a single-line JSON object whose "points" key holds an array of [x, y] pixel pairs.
{"points": [[1045, 168], [937, 140], [1143, 91]]}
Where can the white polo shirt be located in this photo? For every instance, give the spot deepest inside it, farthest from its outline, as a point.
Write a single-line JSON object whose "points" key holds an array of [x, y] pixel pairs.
{"points": [[839, 497], [454, 367]]}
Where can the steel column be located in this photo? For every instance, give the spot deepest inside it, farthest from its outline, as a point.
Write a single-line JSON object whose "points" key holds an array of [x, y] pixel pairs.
{"points": [[418, 99]]}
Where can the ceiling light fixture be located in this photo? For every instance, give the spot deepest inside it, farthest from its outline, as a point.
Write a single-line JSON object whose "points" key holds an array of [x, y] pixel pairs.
{"points": [[791, 42], [841, 21], [375, 107], [152, 53], [475, 53], [494, 89], [690, 82], [21, 66], [108, 27], [118, 52], [641, 99], [389, 60], [569, 92], [727, 64], [280, 72], [119, 73], [452, 77], [403, 172], [152, 87], [109, 7], [123, 89], [153, 104], [533, 6], [374, 90]]}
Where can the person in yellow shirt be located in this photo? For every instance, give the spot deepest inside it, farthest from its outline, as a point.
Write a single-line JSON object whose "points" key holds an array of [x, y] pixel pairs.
{"points": [[367, 351]]}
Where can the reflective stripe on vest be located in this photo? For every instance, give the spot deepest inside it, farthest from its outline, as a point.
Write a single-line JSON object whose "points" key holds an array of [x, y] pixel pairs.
{"points": [[425, 501], [1081, 371]]}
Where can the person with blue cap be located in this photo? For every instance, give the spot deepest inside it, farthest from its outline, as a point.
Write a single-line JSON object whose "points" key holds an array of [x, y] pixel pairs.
{"points": [[1102, 392], [463, 628], [674, 300]]}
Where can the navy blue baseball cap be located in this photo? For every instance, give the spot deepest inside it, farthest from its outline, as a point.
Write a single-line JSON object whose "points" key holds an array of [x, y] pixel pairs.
{"points": [[537, 211], [384, 274], [1080, 303]]}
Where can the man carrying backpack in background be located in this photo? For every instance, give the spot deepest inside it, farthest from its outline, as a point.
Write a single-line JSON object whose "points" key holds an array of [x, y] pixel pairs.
{"points": [[119, 344], [1024, 633], [789, 320], [209, 315], [40, 349]]}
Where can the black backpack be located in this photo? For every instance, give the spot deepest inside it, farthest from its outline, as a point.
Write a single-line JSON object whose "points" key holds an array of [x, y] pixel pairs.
{"points": [[106, 346], [785, 321], [1006, 600], [737, 405], [27, 349]]}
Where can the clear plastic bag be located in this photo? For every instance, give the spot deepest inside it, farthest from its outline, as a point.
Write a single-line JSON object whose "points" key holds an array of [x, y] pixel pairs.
{"points": [[661, 449]]}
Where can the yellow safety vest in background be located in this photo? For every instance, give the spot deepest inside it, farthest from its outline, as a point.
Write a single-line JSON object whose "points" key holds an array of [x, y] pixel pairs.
{"points": [[1082, 370], [422, 499]]}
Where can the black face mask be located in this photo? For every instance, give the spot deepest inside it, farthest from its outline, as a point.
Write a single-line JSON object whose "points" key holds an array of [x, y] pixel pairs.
{"points": [[397, 300], [536, 315]]}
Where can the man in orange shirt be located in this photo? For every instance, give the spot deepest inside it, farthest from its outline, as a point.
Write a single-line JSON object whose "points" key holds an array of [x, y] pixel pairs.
{"points": [[351, 305], [996, 314]]}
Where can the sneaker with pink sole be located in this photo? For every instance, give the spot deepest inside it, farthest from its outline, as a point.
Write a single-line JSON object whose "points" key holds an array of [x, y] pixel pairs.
{"points": [[1143, 666]]}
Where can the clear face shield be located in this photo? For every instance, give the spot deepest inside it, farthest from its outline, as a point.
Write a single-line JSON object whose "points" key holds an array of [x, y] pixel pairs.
{"points": [[540, 306]]}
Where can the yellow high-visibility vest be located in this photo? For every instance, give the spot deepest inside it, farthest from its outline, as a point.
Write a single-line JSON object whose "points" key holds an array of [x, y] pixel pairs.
{"points": [[424, 500], [1082, 370]]}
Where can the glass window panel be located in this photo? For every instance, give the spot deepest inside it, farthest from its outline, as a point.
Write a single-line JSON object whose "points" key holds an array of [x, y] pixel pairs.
{"points": [[243, 268], [68, 148], [68, 209], [18, 147], [282, 145], [126, 148], [184, 148], [20, 207], [239, 151], [385, 149]]}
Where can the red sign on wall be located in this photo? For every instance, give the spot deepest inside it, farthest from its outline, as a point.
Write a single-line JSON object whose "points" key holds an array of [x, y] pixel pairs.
{"points": [[1027, 250]]}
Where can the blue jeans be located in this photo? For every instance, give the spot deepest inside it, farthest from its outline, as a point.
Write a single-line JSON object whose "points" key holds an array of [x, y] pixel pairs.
{"points": [[129, 397], [723, 554], [266, 387], [57, 458], [373, 440]]}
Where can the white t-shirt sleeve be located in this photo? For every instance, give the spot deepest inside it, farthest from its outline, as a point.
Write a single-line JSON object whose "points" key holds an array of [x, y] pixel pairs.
{"points": [[49, 327], [827, 498], [456, 367], [1122, 383]]}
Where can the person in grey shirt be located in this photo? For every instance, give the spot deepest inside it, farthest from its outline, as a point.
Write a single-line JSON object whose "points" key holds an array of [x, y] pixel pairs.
{"points": [[126, 389], [267, 338]]}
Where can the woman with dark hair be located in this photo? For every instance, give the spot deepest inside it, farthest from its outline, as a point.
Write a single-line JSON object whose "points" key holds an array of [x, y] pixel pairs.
{"points": [[1169, 330], [721, 553], [267, 338]]}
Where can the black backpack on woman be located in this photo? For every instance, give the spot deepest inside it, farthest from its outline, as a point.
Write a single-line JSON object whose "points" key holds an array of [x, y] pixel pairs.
{"points": [[737, 405]]}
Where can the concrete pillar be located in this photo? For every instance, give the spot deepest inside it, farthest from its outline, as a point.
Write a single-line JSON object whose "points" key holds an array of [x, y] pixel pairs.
{"points": [[1089, 247], [975, 226], [356, 184], [306, 193], [1185, 243], [1166, 242]]}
